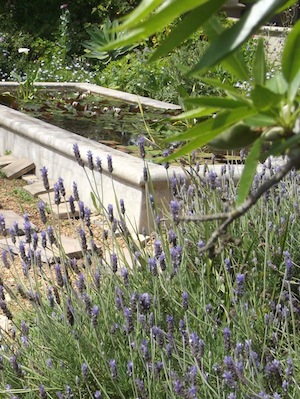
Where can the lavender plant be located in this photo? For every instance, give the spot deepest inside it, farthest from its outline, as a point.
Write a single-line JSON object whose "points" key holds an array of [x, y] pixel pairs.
{"points": [[168, 321]]}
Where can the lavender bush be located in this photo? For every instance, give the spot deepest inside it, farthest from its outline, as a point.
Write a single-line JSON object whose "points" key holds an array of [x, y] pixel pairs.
{"points": [[167, 321]]}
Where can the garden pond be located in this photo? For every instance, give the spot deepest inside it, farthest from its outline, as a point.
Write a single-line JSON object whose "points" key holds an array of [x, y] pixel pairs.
{"points": [[109, 121]]}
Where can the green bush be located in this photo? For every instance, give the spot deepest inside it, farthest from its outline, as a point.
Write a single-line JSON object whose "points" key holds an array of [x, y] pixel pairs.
{"points": [[164, 321]]}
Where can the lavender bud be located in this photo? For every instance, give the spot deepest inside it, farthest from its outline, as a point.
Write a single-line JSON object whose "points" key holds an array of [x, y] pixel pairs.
{"points": [[42, 392], [110, 210], [145, 302], [129, 320], [152, 266], [41, 207], [145, 173], [113, 369], [44, 173], [185, 300], [59, 277], [72, 204], [50, 234], [77, 155], [130, 368], [226, 336], [84, 370], [4, 259], [90, 160], [94, 315], [99, 164], [83, 240], [141, 145], [122, 206], [114, 263], [109, 164], [75, 192]]}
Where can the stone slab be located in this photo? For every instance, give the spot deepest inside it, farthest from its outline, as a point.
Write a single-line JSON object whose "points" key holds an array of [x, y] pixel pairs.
{"points": [[35, 189], [5, 324], [30, 178], [71, 247], [11, 218], [18, 168], [6, 160]]}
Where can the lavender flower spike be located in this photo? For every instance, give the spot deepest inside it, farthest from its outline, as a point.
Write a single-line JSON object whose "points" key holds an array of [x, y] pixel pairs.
{"points": [[44, 173], [77, 155]]}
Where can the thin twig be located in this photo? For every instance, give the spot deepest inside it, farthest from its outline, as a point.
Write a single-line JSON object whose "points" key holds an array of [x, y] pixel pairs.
{"points": [[229, 217]]}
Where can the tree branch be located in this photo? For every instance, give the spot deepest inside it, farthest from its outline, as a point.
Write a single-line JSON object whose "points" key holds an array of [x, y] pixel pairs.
{"points": [[229, 217]]}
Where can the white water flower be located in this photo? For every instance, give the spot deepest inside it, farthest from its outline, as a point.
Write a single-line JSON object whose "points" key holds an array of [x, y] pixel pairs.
{"points": [[23, 50]]}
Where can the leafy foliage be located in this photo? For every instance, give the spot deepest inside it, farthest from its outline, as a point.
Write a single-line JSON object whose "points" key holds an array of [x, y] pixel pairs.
{"points": [[276, 100], [99, 37]]}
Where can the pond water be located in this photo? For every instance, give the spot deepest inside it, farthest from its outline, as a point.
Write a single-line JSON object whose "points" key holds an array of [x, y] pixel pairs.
{"points": [[104, 119]]}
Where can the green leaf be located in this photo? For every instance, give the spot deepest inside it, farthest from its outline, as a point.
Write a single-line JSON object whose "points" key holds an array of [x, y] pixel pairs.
{"points": [[259, 64], [260, 120], [277, 84], [167, 13], [140, 12], [264, 99], [219, 102], [185, 28], [195, 113], [249, 172], [234, 63], [287, 4], [291, 55], [235, 36], [207, 130], [294, 87]]}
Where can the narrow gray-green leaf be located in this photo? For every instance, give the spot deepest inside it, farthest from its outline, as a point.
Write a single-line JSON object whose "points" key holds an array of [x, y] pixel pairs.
{"points": [[143, 10], [185, 28], [213, 126], [249, 172], [277, 84], [234, 62], [291, 54], [219, 102], [195, 113], [167, 13], [235, 36], [259, 64]]}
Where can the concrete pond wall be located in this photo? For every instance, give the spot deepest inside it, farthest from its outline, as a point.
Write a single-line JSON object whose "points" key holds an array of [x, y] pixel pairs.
{"points": [[52, 147]]}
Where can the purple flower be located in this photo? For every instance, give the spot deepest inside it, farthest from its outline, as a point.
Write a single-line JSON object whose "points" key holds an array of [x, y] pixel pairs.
{"points": [[158, 335], [72, 205], [94, 315], [152, 266], [197, 345], [141, 145], [75, 192], [59, 277], [56, 194], [42, 207], [129, 320], [185, 300], [42, 392], [145, 302], [50, 234], [44, 173], [110, 210], [4, 259], [90, 160], [77, 155], [162, 261], [113, 369], [289, 265], [114, 263], [109, 164], [145, 350], [84, 370], [97, 395], [83, 240], [99, 164], [226, 336], [240, 280], [175, 209], [122, 206]]}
